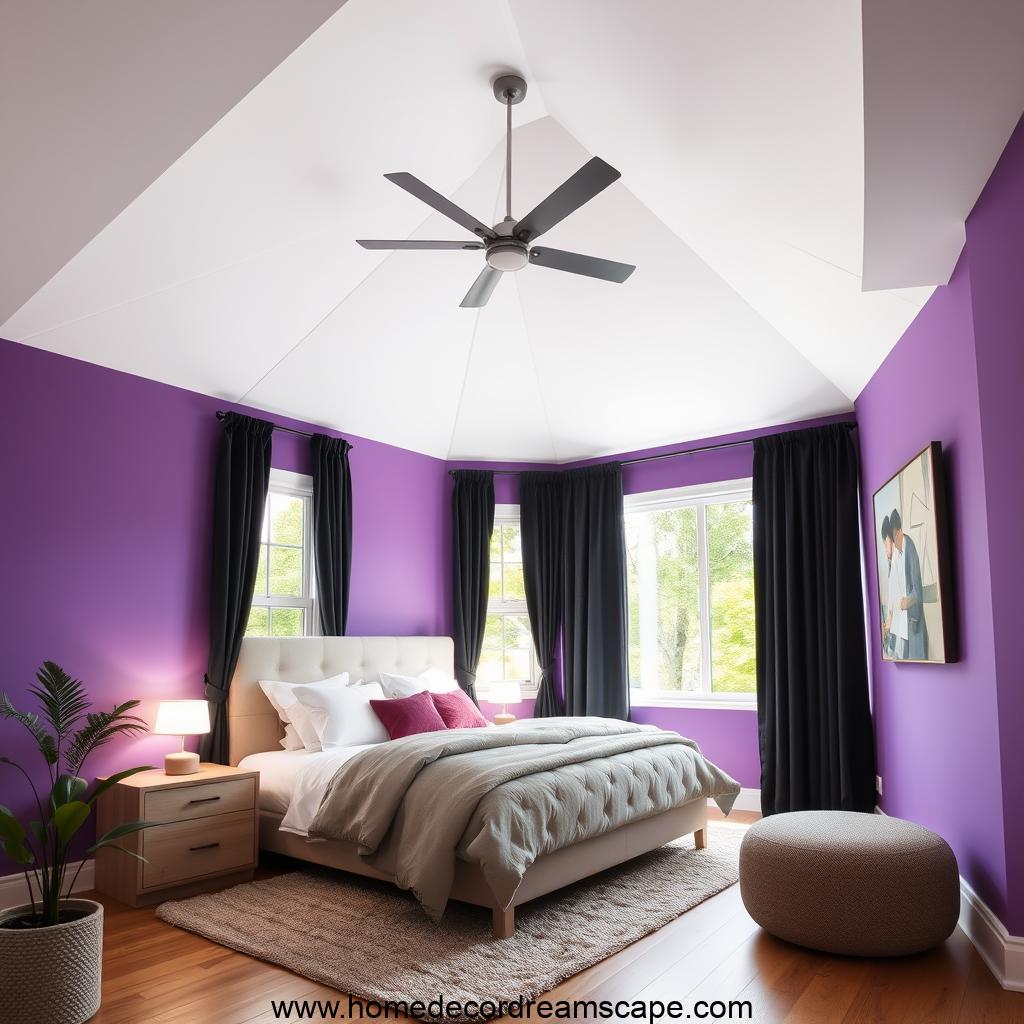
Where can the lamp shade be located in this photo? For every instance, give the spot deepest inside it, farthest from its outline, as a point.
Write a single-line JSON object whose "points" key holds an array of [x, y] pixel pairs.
{"points": [[182, 718], [504, 691]]}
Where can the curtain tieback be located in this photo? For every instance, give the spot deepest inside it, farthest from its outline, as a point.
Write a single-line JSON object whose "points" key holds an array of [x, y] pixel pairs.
{"points": [[214, 693], [470, 677]]}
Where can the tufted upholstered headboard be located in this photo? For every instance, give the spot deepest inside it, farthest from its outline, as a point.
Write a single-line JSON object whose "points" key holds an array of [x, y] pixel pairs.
{"points": [[253, 725]]}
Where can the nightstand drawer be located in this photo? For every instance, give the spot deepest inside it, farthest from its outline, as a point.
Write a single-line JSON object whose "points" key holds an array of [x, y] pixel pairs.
{"points": [[199, 801], [192, 849]]}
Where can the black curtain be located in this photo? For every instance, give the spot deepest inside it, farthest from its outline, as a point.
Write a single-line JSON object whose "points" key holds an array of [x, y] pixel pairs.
{"points": [[472, 524], [540, 519], [814, 718], [332, 530], [594, 585], [240, 493]]}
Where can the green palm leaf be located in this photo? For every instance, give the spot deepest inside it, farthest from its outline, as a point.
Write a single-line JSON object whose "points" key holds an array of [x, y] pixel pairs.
{"points": [[18, 852], [113, 780], [100, 728], [66, 789], [119, 832], [10, 827], [116, 846], [62, 698], [69, 818], [45, 742]]}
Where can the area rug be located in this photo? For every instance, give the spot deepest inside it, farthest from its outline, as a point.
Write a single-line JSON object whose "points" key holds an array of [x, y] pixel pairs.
{"points": [[371, 940]]}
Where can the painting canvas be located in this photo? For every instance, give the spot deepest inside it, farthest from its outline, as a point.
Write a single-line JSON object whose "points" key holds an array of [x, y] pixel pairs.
{"points": [[914, 593]]}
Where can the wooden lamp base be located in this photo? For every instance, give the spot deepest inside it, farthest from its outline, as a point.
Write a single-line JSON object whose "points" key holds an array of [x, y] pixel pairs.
{"points": [[181, 763], [504, 718]]}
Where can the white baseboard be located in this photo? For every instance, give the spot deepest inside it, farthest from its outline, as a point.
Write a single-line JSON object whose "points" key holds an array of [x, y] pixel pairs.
{"points": [[14, 891], [748, 800], [1003, 952]]}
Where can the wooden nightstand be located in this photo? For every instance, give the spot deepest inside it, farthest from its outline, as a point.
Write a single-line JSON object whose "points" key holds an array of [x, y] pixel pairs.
{"points": [[207, 837]]}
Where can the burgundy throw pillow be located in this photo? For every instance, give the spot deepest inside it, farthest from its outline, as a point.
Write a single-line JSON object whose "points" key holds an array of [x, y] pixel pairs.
{"points": [[458, 710], [407, 716]]}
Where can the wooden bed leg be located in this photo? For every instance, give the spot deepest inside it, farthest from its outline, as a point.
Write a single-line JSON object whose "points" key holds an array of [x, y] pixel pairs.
{"points": [[700, 838], [503, 922]]}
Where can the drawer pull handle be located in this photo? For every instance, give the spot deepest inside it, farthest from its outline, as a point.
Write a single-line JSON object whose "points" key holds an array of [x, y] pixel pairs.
{"points": [[204, 800], [205, 846]]}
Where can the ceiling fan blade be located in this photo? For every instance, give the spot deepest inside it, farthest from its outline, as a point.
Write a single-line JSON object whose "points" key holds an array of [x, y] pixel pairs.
{"points": [[427, 195], [593, 177], [577, 263], [480, 292], [415, 243]]}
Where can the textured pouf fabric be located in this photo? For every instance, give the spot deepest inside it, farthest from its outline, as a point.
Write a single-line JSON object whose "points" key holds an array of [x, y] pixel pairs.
{"points": [[856, 884]]}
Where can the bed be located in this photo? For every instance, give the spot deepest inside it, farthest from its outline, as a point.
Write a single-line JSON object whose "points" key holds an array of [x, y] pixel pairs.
{"points": [[255, 731]]}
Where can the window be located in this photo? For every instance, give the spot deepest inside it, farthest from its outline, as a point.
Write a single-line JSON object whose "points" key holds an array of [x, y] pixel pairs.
{"points": [[508, 644], [690, 580], [283, 602]]}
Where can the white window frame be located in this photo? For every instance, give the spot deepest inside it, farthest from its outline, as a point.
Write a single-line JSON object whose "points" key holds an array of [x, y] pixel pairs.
{"points": [[296, 485], [508, 515], [698, 496]]}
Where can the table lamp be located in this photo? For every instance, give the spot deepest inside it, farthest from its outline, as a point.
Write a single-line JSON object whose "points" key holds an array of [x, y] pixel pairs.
{"points": [[182, 718], [505, 692]]}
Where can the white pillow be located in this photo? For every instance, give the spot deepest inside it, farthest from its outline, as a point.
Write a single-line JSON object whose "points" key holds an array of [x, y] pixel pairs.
{"points": [[281, 695], [291, 740], [342, 715], [434, 679]]}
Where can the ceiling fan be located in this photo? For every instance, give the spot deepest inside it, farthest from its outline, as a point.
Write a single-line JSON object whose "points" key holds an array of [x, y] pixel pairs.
{"points": [[508, 246]]}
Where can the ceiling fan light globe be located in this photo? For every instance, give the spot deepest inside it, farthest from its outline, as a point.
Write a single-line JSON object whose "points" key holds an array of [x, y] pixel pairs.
{"points": [[508, 257]]}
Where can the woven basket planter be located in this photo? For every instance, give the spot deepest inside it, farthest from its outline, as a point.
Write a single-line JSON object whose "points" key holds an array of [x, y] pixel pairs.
{"points": [[52, 975]]}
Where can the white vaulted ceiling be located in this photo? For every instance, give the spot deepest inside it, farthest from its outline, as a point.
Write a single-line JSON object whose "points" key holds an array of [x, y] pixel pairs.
{"points": [[740, 133]]}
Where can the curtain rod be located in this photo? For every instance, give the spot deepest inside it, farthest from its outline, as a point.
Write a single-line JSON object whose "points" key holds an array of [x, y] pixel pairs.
{"points": [[664, 455], [288, 430]]}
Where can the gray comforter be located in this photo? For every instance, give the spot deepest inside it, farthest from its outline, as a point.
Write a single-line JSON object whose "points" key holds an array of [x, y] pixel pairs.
{"points": [[504, 797]]}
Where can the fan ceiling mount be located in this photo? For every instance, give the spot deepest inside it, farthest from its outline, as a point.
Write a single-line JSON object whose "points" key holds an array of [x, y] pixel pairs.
{"points": [[508, 245]]}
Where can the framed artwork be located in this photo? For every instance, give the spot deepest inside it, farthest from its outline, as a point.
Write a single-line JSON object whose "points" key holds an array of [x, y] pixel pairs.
{"points": [[912, 558]]}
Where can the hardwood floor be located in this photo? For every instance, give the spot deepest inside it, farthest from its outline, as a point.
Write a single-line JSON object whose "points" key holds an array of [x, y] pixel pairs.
{"points": [[156, 973]]}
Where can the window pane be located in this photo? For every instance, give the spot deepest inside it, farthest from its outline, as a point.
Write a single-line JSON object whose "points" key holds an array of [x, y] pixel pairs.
{"points": [[494, 583], [257, 624], [515, 587], [664, 605], [678, 587], [490, 667], [492, 633], [285, 519], [285, 572], [517, 632], [266, 521], [731, 584], [286, 621], [511, 542], [261, 572], [632, 530], [517, 665], [496, 544]]}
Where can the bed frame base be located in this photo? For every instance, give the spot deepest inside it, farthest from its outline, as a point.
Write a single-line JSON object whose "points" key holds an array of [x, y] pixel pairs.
{"points": [[548, 873]]}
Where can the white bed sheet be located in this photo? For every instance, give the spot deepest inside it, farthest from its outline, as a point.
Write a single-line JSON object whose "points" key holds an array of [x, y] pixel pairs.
{"points": [[293, 782], [278, 769]]}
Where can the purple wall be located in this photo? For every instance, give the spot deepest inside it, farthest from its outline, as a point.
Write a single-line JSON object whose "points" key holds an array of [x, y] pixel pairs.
{"points": [[996, 240], [948, 738], [109, 481], [925, 715]]}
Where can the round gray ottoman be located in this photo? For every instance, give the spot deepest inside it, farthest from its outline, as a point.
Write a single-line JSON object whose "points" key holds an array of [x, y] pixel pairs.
{"points": [[857, 884]]}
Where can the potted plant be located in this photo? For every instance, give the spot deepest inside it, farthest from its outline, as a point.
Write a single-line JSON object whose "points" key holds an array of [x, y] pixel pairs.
{"points": [[51, 948]]}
